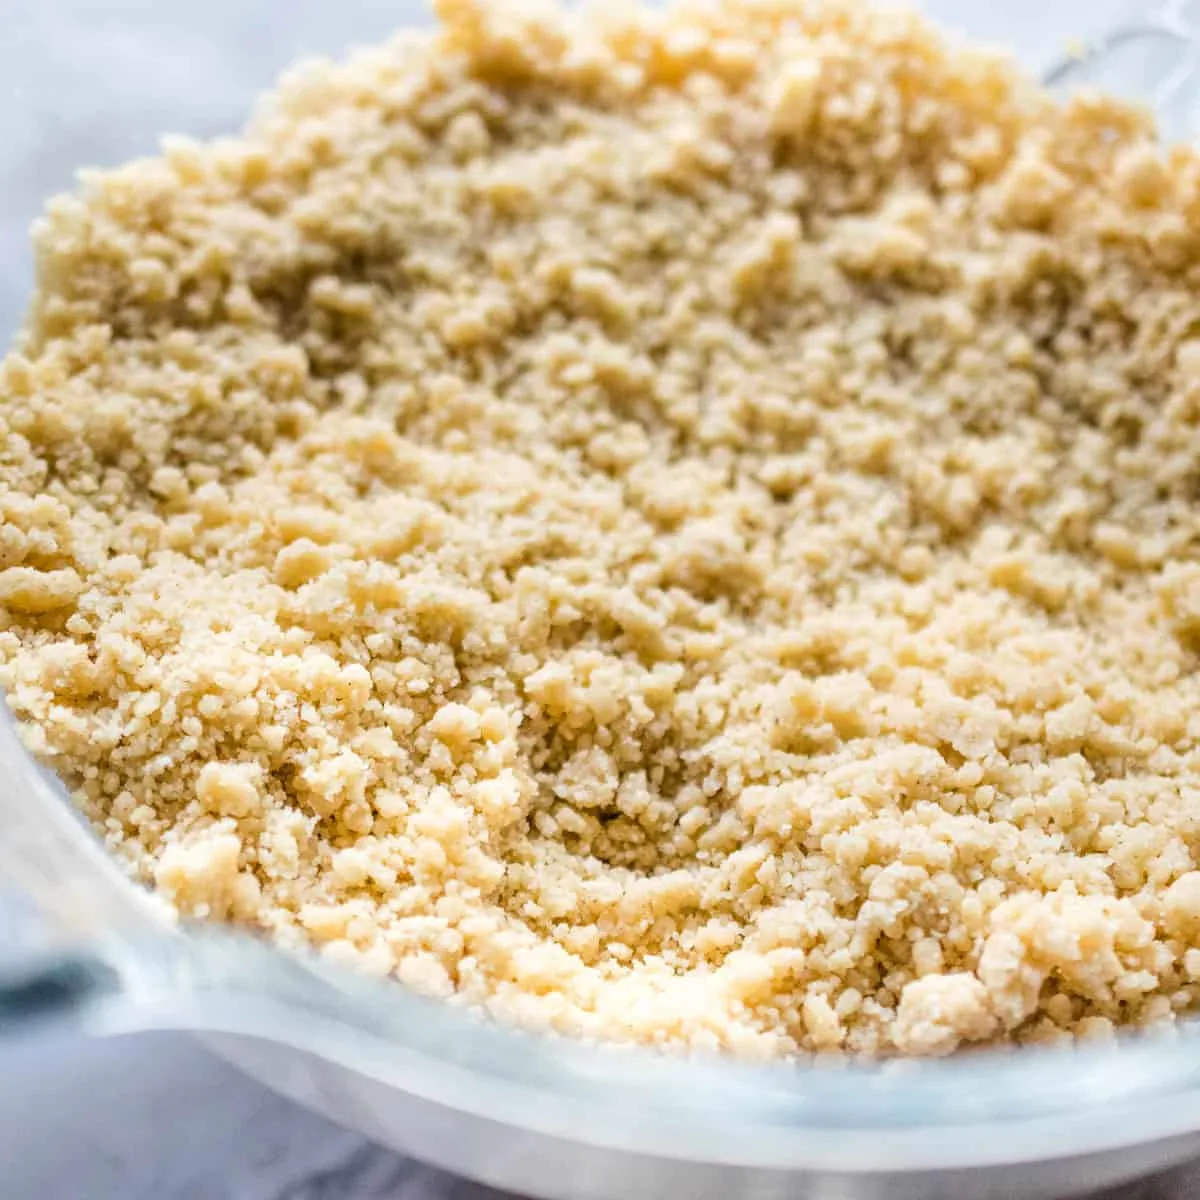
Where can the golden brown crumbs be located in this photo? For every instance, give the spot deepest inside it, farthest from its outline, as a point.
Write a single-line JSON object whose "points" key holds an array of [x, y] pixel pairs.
{"points": [[674, 527]]}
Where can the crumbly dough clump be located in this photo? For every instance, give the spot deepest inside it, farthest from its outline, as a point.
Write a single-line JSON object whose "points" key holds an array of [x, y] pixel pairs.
{"points": [[672, 527]]}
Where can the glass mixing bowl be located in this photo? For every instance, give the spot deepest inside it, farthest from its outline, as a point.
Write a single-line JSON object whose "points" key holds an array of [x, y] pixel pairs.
{"points": [[92, 83]]}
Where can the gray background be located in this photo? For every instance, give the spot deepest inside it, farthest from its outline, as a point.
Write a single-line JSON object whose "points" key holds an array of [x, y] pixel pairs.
{"points": [[86, 82]]}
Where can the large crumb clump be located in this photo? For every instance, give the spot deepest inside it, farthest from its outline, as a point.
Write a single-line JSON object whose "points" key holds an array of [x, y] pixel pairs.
{"points": [[673, 527]]}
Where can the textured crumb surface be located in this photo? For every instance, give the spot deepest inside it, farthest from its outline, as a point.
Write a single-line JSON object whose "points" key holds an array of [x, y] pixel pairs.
{"points": [[681, 528]]}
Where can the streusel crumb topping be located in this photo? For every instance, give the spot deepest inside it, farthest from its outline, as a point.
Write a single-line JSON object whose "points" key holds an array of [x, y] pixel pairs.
{"points": [[676, 527]]}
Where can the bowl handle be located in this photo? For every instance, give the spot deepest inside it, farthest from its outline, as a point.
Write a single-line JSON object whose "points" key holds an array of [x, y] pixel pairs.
{"points": [[1152, 60], [38, 988]]}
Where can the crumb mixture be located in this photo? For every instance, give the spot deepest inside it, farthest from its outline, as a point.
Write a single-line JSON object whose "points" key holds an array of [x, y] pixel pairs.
{"points": [[672, 527]]}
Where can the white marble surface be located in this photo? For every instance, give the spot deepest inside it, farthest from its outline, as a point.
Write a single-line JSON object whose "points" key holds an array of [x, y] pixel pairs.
{"points": [[89, 81], [156, 1117]]}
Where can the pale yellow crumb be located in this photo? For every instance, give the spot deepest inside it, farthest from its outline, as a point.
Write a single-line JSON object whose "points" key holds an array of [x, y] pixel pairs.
{"points": [[675, 527]]}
